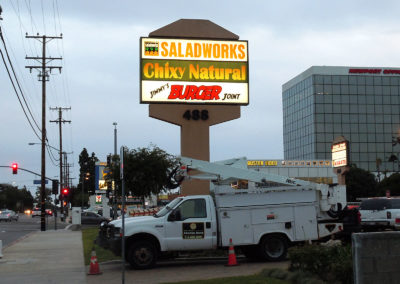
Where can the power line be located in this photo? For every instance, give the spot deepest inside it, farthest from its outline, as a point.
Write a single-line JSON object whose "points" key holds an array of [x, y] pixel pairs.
{"points": [[15, 90], [16, 79]]}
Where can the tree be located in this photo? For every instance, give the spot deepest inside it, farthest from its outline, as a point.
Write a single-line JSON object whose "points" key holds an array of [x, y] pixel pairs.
{"points": [[391, 183], [15, 199], [48, 200], [87, 171], [360, 183], [146, 170]]}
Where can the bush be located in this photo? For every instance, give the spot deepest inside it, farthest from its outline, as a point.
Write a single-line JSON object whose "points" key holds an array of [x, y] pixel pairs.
{"points": [[331, 264]]}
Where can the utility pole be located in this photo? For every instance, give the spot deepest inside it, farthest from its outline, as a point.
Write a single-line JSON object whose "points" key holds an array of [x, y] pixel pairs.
{"points": [[60, 122], [114, 189], [44, 77]]}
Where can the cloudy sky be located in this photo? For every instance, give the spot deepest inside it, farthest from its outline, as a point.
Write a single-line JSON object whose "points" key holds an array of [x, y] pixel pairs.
{"points": [[100, 78]]}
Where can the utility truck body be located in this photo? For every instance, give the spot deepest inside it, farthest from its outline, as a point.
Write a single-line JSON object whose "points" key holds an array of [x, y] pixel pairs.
{"points": [[262, 221]]}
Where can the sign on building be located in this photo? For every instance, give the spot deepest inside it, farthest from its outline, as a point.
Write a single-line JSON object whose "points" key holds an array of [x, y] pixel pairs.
{"points": [[340, 154]]}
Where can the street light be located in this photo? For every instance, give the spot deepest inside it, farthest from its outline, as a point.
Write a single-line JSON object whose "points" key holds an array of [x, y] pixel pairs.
{"points": [[85, 177], [31, 143], [115, 154], [115, 138]]}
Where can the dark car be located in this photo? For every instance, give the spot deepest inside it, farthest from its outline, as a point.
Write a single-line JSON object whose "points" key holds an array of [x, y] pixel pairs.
{"points": [[88, 218]]}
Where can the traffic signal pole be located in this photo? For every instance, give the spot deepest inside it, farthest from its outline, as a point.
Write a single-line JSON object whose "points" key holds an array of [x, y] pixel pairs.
{"points": [[43, 76]]}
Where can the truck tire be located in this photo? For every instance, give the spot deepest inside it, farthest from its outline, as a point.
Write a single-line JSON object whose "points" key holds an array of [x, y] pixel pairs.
{"points": [[142, 255], [251, 252], [273, 248]]}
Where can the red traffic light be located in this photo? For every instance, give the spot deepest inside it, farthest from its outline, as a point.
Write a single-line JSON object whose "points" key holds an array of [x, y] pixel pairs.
{"points": [[65, 191], [14, 167]]}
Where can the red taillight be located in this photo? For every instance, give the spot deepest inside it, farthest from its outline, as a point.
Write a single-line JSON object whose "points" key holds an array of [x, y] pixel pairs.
{"points": [[359, 217], [397, 220]]}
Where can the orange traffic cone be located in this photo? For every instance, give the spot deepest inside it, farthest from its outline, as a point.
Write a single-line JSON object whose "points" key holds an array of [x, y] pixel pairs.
{"points": [[94, 265], [232, 256]]}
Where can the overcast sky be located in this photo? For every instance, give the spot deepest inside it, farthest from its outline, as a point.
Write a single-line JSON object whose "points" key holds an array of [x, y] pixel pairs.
{"points": [[100, 78]]}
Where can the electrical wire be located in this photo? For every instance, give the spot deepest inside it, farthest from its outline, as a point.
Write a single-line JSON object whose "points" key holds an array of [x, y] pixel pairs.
{"points": [[15, 89], [16, 79]]}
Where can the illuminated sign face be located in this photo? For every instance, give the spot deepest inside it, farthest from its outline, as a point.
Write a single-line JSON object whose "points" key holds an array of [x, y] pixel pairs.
{"points": [[339, 154], [261, 163], [194, 71]]}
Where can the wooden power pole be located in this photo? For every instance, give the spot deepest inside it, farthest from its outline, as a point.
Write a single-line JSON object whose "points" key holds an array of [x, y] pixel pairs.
{"points": [[44, 76]]}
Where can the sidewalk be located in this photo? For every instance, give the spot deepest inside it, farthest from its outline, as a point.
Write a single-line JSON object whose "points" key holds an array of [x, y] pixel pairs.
{"points": [[45, 257]]}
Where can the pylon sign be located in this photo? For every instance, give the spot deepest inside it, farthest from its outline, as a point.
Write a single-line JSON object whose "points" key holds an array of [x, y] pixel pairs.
{"points": [[194, 71]]}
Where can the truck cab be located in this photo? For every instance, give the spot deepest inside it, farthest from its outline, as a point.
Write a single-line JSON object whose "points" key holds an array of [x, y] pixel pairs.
{"points": [[186, 223]]}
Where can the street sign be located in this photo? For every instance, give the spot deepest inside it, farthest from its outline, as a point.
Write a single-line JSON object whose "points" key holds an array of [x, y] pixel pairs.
{"points": [[38, 181]]}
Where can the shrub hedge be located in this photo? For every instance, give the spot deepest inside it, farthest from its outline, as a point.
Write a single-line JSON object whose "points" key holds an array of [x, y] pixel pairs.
{"points": [[331, 264]]}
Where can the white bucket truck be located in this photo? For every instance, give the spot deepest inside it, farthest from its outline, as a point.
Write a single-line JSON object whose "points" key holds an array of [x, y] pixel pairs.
{"points": [[263, 222]]}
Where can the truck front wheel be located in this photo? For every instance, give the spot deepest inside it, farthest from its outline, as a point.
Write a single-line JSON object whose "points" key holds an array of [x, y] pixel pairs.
{"points": [[273, 248], [142, 255]]}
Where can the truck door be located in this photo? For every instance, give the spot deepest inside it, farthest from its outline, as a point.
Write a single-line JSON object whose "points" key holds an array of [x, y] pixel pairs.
{"points": [[189, 226]]}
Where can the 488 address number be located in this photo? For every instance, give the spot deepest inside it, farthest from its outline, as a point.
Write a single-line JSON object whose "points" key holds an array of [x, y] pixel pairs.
{"points": [[196, 114]]}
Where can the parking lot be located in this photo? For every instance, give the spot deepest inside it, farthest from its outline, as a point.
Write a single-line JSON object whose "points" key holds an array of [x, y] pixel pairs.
{"points": [[180, 270]]}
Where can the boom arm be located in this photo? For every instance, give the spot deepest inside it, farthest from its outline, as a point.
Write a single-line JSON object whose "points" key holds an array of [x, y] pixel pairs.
{"points": [[226, 172], [222, 173]]}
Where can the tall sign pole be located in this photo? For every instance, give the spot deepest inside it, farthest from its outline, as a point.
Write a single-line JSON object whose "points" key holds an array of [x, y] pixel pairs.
{"points": [[44, 78], [194, 74]]}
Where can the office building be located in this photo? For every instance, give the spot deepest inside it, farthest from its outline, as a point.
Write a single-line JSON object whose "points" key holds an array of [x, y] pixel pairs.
{"points": [[360, 103]]}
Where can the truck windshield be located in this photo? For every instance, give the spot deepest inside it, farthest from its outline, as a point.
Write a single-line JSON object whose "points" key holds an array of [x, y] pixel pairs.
{"points": [[167, 207]]}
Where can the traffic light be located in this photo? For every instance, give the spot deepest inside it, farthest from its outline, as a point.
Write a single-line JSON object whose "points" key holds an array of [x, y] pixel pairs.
{"points": [[14, 167], [54, 189], [65, 191]]}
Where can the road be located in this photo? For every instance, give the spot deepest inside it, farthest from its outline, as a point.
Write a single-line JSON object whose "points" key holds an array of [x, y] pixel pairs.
{"points": [[15, 230]]}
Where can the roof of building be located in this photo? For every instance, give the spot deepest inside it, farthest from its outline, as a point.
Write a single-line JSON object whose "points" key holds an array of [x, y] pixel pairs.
{"points": [[194, 28]]}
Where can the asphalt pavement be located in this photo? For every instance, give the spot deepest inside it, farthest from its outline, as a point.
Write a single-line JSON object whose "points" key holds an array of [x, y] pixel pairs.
{"points": [[180, 270], [57, 257]]}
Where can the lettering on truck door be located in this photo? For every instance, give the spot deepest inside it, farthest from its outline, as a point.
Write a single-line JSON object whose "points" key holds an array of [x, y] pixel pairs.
{"points": [[191, 228]]}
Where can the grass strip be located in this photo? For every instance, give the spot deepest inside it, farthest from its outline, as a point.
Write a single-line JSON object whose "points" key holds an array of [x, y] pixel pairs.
{"points": [[89, 235]]}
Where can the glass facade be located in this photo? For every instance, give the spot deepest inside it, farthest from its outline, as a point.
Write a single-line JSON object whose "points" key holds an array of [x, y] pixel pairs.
{"points": [[364, 108]]}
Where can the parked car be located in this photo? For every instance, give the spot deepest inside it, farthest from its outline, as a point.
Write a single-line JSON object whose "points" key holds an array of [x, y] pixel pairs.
{"points": [[8, 215], [88, 218], [380, 213], [36, 212]]}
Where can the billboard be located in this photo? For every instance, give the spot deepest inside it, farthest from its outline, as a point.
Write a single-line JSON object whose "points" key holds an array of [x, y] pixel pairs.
{"points": [[101, 171], [194, 71], [340, 154]]}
